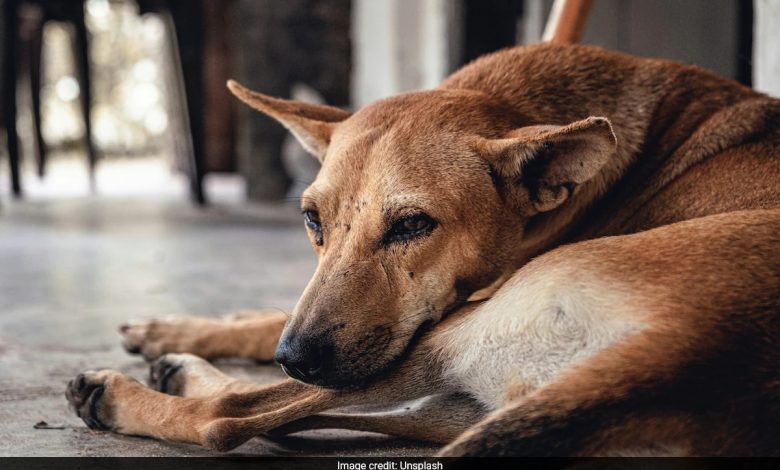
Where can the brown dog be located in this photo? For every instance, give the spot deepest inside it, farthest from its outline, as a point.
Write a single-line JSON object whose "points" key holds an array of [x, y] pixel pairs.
{"points": [[648, 320]]}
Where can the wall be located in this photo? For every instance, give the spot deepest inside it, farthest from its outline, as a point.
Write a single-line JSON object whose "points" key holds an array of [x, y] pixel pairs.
{"points": [[766, 47], [401, 45], [701, 32]]}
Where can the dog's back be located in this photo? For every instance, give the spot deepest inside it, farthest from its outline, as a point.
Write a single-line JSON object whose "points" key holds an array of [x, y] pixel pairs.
{"points": [[690, 143]]}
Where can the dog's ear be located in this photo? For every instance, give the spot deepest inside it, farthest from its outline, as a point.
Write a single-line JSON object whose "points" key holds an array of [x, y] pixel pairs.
{"points": [[311, 124], [550, 161]]}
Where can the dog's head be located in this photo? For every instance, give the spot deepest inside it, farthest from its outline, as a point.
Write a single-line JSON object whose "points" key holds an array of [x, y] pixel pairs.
{"points": [[422, 200]]}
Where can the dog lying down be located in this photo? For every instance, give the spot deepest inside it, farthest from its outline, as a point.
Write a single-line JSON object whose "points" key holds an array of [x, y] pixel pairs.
{"points": [[571, 250]]}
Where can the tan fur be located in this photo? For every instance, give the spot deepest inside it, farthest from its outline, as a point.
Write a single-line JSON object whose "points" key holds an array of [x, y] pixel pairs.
{"points": [[246, 334], [647, 192]]}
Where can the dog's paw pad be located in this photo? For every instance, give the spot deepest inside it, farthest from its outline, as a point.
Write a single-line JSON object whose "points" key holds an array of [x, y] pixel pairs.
{"points": [[173, 372], [186, 375], [86, 395], [165, 375]]}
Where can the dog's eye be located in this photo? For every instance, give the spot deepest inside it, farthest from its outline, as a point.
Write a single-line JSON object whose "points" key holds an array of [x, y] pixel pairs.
{"points": [[312, 219], [410, 227]]}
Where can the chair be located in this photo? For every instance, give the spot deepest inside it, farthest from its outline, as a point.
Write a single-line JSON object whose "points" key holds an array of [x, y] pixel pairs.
{"points": [[23, 32], [187, 23]]}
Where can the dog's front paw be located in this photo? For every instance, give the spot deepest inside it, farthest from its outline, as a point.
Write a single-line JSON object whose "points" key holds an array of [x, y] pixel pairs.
{"points": [[149, 338], [187, 375], [153, 338], [89, 395]]}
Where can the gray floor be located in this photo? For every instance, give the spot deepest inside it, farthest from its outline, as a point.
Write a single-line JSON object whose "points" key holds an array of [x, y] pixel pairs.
{"points": [[71, 271]]}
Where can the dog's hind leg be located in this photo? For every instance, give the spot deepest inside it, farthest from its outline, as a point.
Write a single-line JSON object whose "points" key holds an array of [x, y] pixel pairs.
{"points": [[249, 334], [659, 391], [437, 418], [577, 413]]}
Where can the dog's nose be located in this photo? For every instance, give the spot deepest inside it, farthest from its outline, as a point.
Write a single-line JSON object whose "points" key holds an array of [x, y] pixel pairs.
{"points": [[303, 357]]}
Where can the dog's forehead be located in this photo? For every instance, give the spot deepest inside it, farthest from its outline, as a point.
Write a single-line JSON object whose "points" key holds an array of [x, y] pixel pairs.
{"points": [[388, 162], [403, 134], [402, 150], [426, 113], [355, 184]]}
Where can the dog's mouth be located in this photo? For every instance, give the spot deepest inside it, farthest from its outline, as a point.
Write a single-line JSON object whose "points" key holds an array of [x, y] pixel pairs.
{"points": [[421, 331], [298, 374], [352, 372], [418, 334]]}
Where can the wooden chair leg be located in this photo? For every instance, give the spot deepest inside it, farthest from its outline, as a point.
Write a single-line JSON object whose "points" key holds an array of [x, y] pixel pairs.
{"points": [[188, 23], [10, 61], [567, 21], [36, 71], [82, 59]]}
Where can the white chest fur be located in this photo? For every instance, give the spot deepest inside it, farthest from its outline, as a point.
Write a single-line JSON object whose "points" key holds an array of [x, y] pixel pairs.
{"points": [[538, 324]]}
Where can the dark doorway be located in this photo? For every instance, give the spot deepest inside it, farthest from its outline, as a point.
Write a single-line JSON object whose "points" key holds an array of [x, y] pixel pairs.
{"points": [[489, 25]]}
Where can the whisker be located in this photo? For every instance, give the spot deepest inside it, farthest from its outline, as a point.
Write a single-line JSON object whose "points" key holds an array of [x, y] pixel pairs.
{"points": [[270, 307]]}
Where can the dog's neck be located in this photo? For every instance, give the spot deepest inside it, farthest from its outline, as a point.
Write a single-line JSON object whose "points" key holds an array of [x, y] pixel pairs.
{"points": [[654, 107]]}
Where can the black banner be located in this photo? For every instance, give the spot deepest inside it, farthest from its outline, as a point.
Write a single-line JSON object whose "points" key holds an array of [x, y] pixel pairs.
{"points": [[379, 463]]}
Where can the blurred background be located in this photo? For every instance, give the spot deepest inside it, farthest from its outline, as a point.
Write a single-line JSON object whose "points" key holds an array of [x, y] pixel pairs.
{"points": [[126, 97]]}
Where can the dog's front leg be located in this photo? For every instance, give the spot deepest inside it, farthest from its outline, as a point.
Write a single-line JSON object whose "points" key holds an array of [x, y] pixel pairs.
{"points": [[113, 401], [419, 375], [249, 334], [439, 418]]}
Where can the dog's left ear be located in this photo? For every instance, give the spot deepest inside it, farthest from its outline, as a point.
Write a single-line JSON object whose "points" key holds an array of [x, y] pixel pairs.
{"points": [[311, 124], [550, 161]]}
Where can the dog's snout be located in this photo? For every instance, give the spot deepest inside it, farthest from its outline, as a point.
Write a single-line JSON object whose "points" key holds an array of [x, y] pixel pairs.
{"points": [[304, 357]]}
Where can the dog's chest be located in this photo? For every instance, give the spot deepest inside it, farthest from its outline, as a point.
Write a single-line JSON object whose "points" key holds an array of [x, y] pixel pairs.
{"points": [[512, 346]]}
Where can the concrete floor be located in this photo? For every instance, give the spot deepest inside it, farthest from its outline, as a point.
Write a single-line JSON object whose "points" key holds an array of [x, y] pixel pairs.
{"points": [[72, 270]]}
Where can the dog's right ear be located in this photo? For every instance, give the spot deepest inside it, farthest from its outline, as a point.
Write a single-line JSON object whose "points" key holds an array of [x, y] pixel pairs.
{"points": [[549, 162], [311, 124]]}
